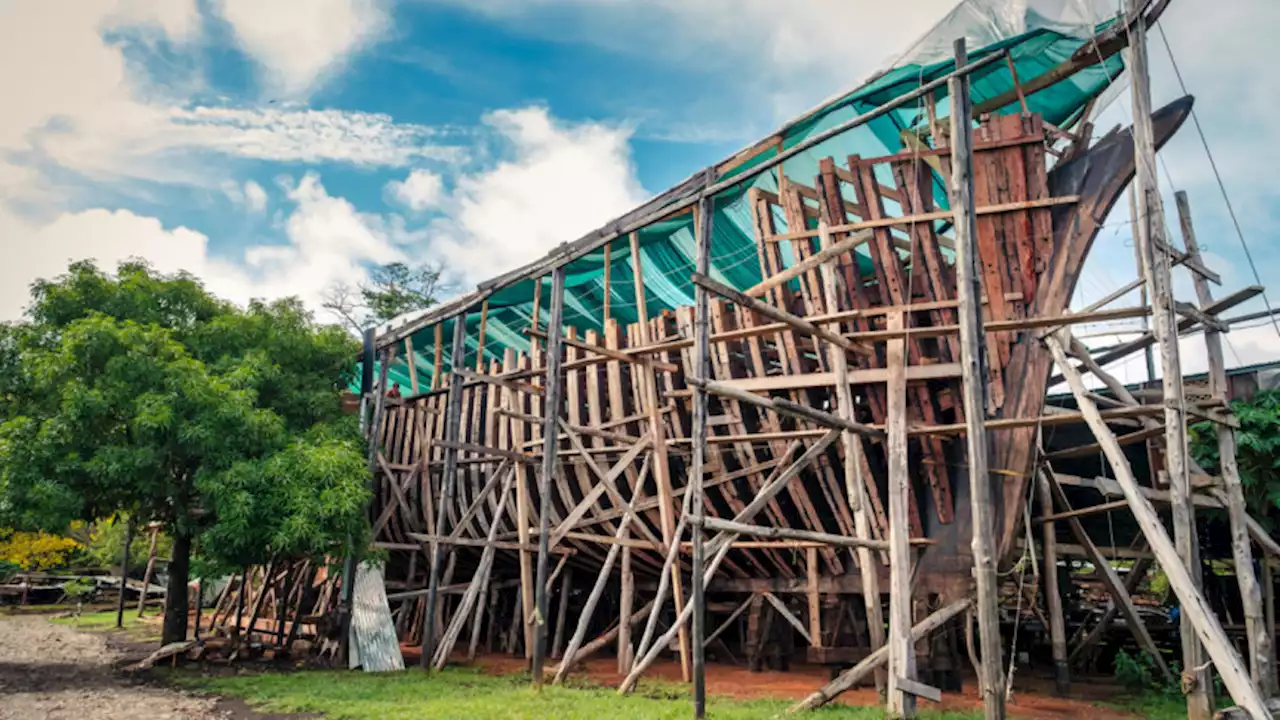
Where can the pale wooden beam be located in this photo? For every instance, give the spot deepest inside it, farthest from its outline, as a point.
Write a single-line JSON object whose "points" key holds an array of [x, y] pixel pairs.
{"points": [[551, 444]]}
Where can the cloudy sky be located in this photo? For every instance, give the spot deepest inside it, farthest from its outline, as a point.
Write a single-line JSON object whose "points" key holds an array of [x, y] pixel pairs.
{"points": [[274, 146]]}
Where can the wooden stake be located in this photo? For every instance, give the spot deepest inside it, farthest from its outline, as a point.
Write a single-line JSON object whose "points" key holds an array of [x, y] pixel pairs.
{"points": [[452, 430], [972, 347], [551, 444], [1053, 594], [902, 656], [1261, 654], [608, 285], [562, 614], [437, 362], [1202, 618], [509, 400], [411, 361], [1149, 235], [484, 328]]}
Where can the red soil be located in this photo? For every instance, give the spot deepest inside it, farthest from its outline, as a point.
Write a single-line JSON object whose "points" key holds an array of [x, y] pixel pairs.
{"points": [[1032, 698]]}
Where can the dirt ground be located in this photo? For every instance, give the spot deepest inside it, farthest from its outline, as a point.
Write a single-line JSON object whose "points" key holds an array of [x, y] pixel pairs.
{"points": [[53, 671], [1032, 699]]}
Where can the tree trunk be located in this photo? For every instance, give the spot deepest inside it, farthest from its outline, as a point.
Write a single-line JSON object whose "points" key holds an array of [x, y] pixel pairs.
{"points": [[175, 606]]}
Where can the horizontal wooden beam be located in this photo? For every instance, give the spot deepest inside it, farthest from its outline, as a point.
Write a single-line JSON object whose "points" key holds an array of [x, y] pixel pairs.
{"points": [[786, 407], [607, 352], [945, 215]]}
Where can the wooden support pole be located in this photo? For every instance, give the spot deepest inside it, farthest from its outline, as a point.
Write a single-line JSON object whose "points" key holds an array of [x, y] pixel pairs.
{"points": [[813, 574], [972, 349], [608, 284], [437, 361], [1261, 653], [701, 368], [551, 444], [1053, 593], [452, 431], [1235, 675], [562, 613], [484, 328], [124, 572], [588, 609], [411, 362], [902, 656], [783, 533], [509, 402], [786, 407], [151, 567], [1152, 244], [1120, 593], [851, 677], [671, 530], [855, 482]]}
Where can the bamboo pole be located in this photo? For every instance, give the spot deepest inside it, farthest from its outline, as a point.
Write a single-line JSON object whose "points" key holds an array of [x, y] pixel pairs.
{"points": [[1207, 628], [551, 444], [452, 430], [1261, 654]]}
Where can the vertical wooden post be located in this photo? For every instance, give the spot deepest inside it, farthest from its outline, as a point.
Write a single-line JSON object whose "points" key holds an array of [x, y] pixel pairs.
{"points": [[1269, 603], [812, 575], [411, 361], [550, 446], [972, 345], [702, 369], [661, 466], [199, 605], [902, 656], [484, 329], [151, 568], [452, 430], [437, 369], [523, 504], [626, 651], [562, 613], [1235, 676], [240, 592], [608, 285], [1260, 651], [1152, 243], [1053, 594], [124, 571], [855, 483]]}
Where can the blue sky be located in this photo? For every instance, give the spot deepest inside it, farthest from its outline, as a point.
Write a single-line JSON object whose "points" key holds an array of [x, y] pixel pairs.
{"points": [[274, 147]]}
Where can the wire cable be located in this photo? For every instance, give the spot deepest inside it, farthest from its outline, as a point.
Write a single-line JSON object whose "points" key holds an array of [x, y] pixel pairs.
{"points": [[1217, 175]]}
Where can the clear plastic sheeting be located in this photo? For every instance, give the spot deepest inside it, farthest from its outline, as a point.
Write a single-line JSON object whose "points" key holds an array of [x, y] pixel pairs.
{"points": [[986, 22]]}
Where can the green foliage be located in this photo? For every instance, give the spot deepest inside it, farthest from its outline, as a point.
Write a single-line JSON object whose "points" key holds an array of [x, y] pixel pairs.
{"points": [[466, 693], [140, 393], [1257, 452], [106, 541], [80, 589], [393, 290]]}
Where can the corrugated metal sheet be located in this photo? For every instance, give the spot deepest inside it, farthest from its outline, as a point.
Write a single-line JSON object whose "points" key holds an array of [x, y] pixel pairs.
{"points": [[374, 645]]}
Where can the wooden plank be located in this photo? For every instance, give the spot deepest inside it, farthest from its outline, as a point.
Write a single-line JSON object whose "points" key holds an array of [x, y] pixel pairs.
{"points": [[919, 689], [902, 658], [941, 215], [813, 575], [972, 343], [1234, 673], [705, 216]]}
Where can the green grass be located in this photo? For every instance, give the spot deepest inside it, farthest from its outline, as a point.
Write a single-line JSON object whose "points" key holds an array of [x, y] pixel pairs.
{"points": [[470, 694], [105, 621]]}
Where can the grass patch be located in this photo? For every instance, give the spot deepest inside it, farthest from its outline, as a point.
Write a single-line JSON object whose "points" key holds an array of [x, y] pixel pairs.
{"points": [[140, 629], [468, 693]]}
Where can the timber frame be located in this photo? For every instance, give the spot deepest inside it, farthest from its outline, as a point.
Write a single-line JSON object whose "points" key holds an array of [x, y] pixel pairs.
{"points": [[835, 454]]}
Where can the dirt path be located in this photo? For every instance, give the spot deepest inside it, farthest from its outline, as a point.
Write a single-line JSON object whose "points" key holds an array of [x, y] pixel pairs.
{"points": [[53, 671]]}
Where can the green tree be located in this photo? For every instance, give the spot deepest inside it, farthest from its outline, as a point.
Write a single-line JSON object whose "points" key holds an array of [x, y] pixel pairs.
{"points": [[1257, 452], [141, 393], [392, 290]]}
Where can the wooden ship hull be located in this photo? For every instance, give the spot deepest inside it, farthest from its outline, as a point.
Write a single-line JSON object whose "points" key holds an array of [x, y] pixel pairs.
{"points": [[1036, 222]]}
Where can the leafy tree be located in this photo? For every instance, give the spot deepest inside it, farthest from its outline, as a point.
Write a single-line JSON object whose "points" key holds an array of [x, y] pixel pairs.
{"points": [[1257, 452], [393, 290], [142, 394]]}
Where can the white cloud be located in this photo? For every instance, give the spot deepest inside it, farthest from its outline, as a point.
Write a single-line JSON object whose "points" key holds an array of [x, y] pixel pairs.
{"points": [[561, 181], [300, 42], [421, 190], [255, 197], [325, 240]]}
